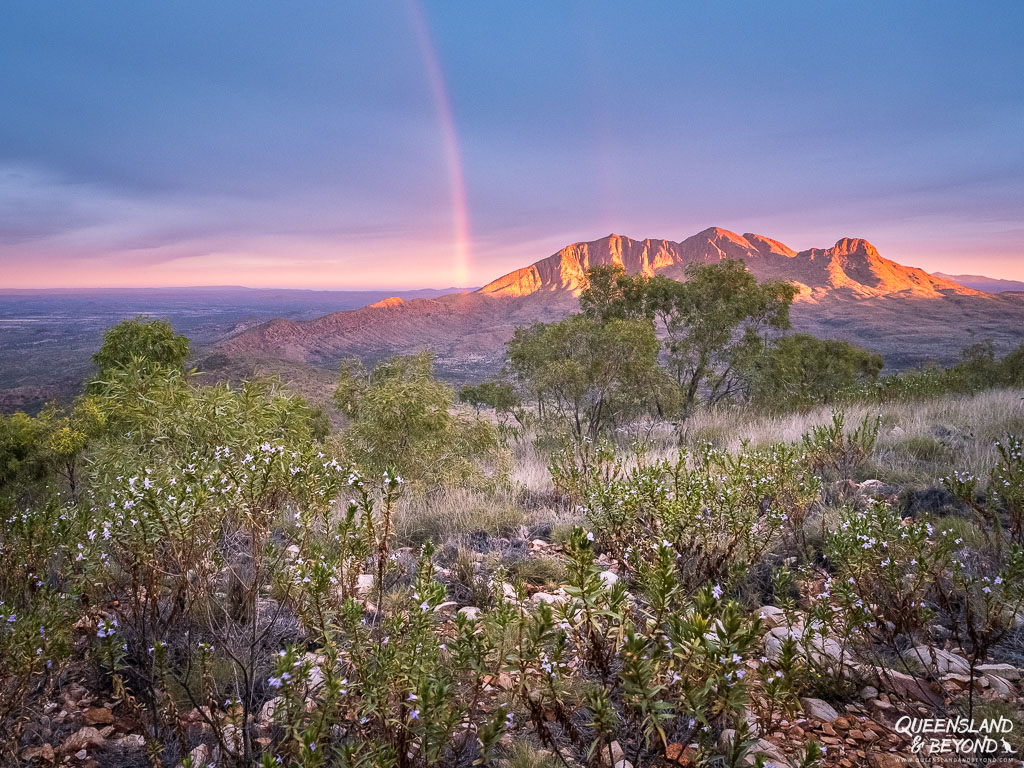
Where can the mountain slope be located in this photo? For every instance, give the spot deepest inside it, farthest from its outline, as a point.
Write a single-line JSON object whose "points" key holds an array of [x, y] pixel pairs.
{"points": [[848, 291]]}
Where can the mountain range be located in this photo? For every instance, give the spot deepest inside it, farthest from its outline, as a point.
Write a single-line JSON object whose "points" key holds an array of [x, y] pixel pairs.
{"points": [[852, 267], [982, 283], [848, 291]]}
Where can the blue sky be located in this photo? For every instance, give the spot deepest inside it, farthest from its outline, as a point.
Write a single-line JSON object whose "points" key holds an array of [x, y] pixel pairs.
{"points": [[416, 143]]}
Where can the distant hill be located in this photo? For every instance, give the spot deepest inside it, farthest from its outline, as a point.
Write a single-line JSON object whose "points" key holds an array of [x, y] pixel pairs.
{"points": [[982, 283], [848, 291], [47, 337]]}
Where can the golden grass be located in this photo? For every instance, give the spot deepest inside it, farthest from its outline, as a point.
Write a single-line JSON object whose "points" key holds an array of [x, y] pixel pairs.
{"points": [[918, 442], [453, 513], [963, 428]]}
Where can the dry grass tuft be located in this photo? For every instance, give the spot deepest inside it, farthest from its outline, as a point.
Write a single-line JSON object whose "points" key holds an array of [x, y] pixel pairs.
{"points": [[457, 512]]}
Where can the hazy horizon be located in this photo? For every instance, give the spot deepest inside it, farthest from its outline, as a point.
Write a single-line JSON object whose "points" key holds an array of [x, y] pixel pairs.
{"points": [[258, 289], [376, 288]]}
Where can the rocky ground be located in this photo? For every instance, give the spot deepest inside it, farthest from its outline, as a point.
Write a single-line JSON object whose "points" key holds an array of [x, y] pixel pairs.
{"points": [[83, 727]]}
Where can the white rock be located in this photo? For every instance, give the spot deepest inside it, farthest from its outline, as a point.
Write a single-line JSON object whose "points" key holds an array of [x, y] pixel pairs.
{"points": [[942, 662], [868, 692], [233, 736], [447, 608], [998, 684], [200, 756], [471, 612], [132, 741], [84, 738], [364, 583], [546, 597], [871, 486], [316, 675], [725, 739], [609, 578], [618, 753], [769, 750], [760, 747], [818, 709], [270, 708], [963, 681], [822, 649], [903, 685], [772, 616], [751, 720], [1005, 671]]}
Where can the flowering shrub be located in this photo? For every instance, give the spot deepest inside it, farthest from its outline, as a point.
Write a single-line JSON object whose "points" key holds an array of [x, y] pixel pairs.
{"points": [[885, 566], [196, 545], [38, 602], [833, 451], [895, 577], [1006, 485], [719, 513], [1001, 510], [228, 576]]}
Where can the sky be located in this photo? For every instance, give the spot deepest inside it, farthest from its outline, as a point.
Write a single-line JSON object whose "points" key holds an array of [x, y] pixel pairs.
{"points": [[322, 144]]}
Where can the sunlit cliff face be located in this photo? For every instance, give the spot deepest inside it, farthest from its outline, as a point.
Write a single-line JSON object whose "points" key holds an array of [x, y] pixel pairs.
{"points": [[853, 266]]}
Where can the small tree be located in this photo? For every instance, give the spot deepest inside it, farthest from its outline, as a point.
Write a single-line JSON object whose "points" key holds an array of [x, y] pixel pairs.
{"points": [[68, 434], [141, 342], [977, 367], [499, 395], [612, 294], [588, 373], [33, 450], [1013, 367], [23, 469], [716, 321], [401, 417], [801, 369]]}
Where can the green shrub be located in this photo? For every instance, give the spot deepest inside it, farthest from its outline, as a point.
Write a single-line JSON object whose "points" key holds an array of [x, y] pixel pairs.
{"points": [[835, 452], [401, 416], [585, 374], [150, 345], [802, 370]]}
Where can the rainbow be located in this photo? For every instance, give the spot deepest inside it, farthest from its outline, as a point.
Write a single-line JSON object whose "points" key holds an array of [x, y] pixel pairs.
{"points": [[453, 158]]}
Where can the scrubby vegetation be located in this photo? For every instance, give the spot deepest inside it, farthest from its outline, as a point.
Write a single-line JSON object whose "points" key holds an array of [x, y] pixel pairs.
{"points": [[648, 349], [676, 536]]}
